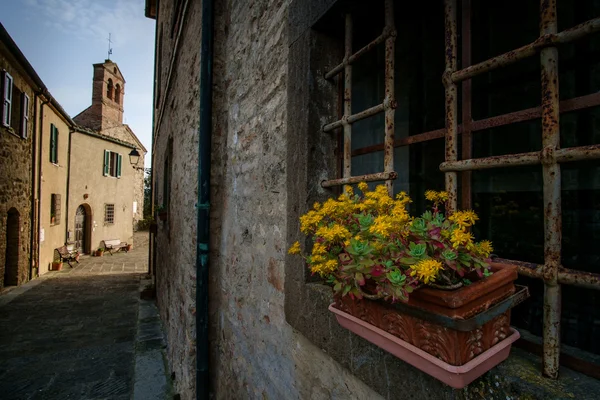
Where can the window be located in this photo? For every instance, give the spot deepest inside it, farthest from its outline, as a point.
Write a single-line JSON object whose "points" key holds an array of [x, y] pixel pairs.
{"points": [[109, 213], [53, 144], [112, 164], [55, 209], [482, 138], [7, 96], [118, 94], [24, 129], [109, 89]]}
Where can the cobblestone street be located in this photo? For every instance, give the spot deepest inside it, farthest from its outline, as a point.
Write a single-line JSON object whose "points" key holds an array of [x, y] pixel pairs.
{"points": [[76, 334]]}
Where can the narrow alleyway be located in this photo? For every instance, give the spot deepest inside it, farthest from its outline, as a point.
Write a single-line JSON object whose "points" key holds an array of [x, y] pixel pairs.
{"points": [[77, 333]]}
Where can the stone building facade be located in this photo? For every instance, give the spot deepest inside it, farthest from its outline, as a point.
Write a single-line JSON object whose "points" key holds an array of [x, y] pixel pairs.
{"points": [[270, 334], [16, 165]]}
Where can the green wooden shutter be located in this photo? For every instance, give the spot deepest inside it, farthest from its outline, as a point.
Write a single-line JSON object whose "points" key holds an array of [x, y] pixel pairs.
{"points": [[119, 158], [106, 162], [53, 144]]}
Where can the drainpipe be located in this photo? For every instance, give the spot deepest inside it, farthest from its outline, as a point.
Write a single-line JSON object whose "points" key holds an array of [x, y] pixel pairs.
{"points": [[44, 93], [34, 158], [68, 186], [203, 205]]}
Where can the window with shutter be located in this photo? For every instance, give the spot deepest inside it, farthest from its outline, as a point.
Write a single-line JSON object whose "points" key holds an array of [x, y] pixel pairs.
{"points": [[55, 209], [7, 85], [25, 117], [105, 169], [112, 164], [119, 160], [53, 144]]}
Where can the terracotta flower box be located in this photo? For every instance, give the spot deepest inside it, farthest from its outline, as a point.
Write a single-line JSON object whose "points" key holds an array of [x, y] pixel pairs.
{"points": [[445, 324], [455, 376]]}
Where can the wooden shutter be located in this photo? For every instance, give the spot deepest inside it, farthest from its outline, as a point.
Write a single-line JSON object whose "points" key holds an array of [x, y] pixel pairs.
{"points": [[106, 162], [25, 116], [57, 209], [53, 144], [119, 159], [7, 83]]}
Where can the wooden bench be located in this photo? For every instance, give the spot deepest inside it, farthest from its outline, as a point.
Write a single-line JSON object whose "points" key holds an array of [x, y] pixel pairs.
{"points": [[68, 253], [114, 245]]}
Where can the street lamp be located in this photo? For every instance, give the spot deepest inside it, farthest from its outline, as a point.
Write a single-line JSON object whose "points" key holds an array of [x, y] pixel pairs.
{"points": [[134, 158]]}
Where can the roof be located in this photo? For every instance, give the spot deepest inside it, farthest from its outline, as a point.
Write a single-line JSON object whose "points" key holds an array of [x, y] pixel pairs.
{"points": [[150, 11], [113, 64], [22, 60], [89, 132]]}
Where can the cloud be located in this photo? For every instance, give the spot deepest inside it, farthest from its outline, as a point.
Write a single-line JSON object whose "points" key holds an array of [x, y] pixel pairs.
{"points": [[93, 20]]}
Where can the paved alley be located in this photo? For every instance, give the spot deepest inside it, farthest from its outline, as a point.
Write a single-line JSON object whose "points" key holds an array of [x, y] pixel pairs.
{"points": [[77, 333]]}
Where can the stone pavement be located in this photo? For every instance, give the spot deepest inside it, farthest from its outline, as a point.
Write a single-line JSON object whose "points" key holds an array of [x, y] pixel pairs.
{"points": [[84, 333]]}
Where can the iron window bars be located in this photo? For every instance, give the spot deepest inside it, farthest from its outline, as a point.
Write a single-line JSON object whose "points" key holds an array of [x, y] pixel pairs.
{"points": [[552, 273]]}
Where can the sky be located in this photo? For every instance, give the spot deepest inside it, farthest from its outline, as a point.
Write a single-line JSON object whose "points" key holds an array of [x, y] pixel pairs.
{"points": [[61, 39]]}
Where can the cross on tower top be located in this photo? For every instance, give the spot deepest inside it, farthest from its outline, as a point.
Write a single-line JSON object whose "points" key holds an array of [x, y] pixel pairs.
{"points": [[109, 47]]}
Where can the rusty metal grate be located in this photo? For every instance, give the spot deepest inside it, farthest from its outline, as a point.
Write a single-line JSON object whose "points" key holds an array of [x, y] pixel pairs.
{"points": [[388, 105], [552, 273]]}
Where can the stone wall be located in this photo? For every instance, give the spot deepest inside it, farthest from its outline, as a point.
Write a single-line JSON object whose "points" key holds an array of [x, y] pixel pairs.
{"points": [[16, 177], [175, 166], [256, 353]]}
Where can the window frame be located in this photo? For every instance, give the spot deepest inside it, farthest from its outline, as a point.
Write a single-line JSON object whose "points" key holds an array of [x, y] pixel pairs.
{"points": [[552, 273], [109, 213], [113, 163], [55, 209], [7, 98]]}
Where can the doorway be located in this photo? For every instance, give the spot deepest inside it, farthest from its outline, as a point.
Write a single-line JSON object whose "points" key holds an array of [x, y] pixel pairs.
{"points": [[83, 235], [13, 240]]}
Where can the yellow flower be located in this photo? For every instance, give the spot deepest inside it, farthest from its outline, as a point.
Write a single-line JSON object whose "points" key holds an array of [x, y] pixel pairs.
{"points": [[317, 259], [324, 268], [381, 226], [319, 248], [334, 233], [464, 218], [363, 187], [348, 190], [402, 198], [309, 222], [484, 248], [295, 249], [426, 271], [317, 206], [436, 197], [461, 237]]}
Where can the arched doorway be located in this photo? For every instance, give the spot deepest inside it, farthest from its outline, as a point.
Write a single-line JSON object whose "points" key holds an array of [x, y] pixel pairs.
{"points": [[13, 241], [83, 217]]}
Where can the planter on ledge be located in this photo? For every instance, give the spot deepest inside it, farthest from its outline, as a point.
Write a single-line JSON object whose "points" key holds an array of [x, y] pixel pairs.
{"points": [[454, 336]]}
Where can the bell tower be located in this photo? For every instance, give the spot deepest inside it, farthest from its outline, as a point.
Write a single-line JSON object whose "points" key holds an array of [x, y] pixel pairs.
{"points": [[108, 91]]}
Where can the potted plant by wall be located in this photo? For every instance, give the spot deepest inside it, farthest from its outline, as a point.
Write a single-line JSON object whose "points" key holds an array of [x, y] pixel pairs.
{"points": [[56, 265], [99, 252], [419, 287]]}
